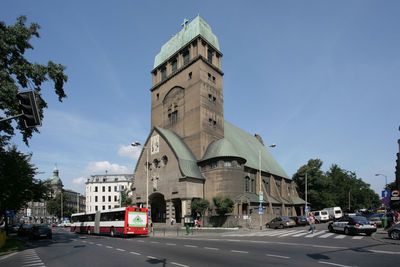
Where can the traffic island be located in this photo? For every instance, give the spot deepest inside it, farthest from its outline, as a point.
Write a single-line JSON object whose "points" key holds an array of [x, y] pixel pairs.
{"points": [[382, 236]]}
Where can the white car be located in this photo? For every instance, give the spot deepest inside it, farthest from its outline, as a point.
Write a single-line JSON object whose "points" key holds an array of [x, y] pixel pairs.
{"points": [[351, 225], [321, 216]]}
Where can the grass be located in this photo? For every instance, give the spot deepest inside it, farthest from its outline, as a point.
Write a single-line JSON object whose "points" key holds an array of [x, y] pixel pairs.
{"points": [[12, 244]]}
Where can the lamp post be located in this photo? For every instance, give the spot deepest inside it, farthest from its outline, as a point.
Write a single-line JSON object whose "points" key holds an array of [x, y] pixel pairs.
{"points": [[379, 174], [306, 207], [147, 171], [260, 209]]}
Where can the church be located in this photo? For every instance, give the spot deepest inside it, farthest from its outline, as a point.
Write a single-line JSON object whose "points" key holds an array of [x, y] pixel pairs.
{"points": [[192, 152]]}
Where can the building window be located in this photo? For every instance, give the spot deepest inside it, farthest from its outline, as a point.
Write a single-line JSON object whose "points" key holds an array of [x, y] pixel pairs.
{"points": [[247, 183], [190, 75], [116, 179], [174, 65], [186, 57], [104, 198], [104, 207], [122, 187], [109, 207], [95, 208], [278, 185], [164, 160], [109, 189], [210, 97], [95, 189], [227, 163], [163, 74], [156, 163], [95, 199], [115, 189], [104, 189], [209, 77], [209, 55], [173, 115], [109, 198], [158, 96], [214, 99], [104, 179], [213, 165], [115, 198], [213, 79], [288, 189]]}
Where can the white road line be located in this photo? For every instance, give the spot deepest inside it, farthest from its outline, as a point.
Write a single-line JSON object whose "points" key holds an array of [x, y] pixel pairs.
{"points": [[239, 251], [151, 257], [34, 264], [120, 249], [170, 244], [9, 255], [326, 235], [99, 245], [135, 253], [178, 264], [385, 252], [277, 256], [301, 234], [335, 264], [274, 233], [109, 247], [292, 233], [84, 241], [315, 234], [91, 243], [191, 246], [155, 242], [211, 248], [141, 241], [340, 237], [358, 237]]}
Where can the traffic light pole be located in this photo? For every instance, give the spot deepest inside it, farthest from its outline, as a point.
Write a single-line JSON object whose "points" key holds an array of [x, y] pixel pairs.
{"points": [[12, 117]]}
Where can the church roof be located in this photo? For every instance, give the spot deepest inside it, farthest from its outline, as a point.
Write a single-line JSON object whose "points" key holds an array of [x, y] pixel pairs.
{"points": [[238, 143], [196, 27], [187, 161]]}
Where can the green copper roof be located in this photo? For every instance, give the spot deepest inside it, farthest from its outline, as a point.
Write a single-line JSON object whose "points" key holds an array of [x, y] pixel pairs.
{"points": [[221, 148], [248, 148], [196, 27], [186, 159]]}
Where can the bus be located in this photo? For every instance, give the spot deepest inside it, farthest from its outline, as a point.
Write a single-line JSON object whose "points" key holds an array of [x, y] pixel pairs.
{"points": [[118, 221]]}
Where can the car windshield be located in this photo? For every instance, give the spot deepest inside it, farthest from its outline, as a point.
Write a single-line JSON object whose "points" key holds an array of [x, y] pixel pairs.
{"points": [[359, 219], [324, 213], [337, 211], [286, 218]]}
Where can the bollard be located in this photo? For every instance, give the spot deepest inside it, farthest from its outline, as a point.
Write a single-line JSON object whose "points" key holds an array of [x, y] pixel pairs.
{"points": [[187, 229]]}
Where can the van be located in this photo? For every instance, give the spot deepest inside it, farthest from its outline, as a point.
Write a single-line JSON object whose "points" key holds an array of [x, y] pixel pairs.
{"points": [[321, 216], [335, 212]]}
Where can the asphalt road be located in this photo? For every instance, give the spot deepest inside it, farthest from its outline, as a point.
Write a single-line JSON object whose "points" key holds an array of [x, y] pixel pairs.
{"points": [[288, 247]]}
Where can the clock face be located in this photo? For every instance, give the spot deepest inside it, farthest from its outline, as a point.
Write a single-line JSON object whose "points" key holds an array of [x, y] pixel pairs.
{"points": [[155, 144]]}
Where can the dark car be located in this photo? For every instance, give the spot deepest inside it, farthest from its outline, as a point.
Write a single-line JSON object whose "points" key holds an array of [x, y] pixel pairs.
{"points": [[24, 230], [39, 231], [376, 218], [353, 225], [300, 220], [394, 232]]}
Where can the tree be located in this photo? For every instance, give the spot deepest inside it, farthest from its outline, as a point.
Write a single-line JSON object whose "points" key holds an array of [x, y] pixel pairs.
{"points": [[54, 206], [199, 206], [125, 199], [18, 185], [16, 72], [223, 205]]}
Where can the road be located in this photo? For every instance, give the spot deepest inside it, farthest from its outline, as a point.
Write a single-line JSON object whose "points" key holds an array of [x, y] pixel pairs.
{"points": [[289, 247]]}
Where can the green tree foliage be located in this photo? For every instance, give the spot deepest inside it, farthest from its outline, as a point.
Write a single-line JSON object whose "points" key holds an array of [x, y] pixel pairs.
{"points": [[126, 201], [18, 185], [223, 205], [16, 72], [333, 187], [54, 206], [199, 206]]}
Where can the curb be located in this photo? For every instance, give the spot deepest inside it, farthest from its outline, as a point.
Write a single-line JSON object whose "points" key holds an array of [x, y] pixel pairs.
{"points": [[386, 241]]}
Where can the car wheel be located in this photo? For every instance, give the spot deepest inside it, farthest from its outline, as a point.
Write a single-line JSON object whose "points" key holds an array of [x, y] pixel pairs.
{"points": [[346, 231], [395, 235], [112, 232], [330, 228], [281, 226]]}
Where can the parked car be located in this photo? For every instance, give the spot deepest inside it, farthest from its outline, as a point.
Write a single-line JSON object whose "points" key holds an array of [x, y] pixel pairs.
{"points": [[376, 218], [281, 222], [394, 232], [321, 216], [13, 228], [39, 231], [300, 220], [335, 213], [351, 225], [24, 230]]}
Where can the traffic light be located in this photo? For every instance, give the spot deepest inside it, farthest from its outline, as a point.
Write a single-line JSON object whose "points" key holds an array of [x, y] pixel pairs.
{"points": [[28, 106]]}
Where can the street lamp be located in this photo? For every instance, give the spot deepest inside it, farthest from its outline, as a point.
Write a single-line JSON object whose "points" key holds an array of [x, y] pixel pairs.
{"points": [[147, 171], [261, 192], [379, 174]]}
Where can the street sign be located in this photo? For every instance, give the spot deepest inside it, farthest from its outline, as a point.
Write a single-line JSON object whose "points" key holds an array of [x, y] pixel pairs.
{"points": [[395, 193], [386, 201], [306, 208], [395, 198], [261, 196], [385, 193], [28, 212], [260, 210]]}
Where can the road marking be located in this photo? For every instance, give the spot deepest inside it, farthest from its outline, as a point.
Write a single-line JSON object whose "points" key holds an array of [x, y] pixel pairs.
{"points": [[301, 234], [326, 235], [277, 256], [99, 245], [5, 257], [315, 234], [135, 253], [34, 264], [335, 264], [191, 246], [211, 248], [340, 237], [171, 244], [239, 251], [292, 233], [91, 243], [109, 247], [358, 237], [274, 233], [386, 252], [151, 257], [178, 264], [141, 241], [84, 241], [154, 242], [120, 249]]}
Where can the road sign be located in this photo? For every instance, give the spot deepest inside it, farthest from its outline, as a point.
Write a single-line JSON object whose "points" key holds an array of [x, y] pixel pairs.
{"points": [[260, 210], [386, 201], [306, 208], [395, 193], [261, 196], [385, 193], [395, 198]]}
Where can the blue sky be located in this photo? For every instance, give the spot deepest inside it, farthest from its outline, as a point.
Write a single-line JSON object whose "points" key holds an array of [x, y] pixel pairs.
{"points": [[318, 78]]}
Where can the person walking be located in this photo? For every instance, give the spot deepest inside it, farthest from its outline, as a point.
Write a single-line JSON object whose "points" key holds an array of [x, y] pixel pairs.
{"points": [[311, 222]]}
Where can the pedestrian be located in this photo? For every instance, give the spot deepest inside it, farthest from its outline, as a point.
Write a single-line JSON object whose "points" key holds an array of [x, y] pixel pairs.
{"points": [[311, 222], [151, 227], [172, 221], [199, 223], [196, 223]]}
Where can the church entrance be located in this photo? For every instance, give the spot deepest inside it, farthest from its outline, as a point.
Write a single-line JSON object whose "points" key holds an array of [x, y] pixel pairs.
{"points": [[158, 207], [178, 209]]}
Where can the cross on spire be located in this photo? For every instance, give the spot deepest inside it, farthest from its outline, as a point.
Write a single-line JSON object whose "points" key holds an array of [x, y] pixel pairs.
{"points": [[185, 22]]}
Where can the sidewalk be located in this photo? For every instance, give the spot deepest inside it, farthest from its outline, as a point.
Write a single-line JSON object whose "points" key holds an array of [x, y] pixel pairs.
{"points": [[181, 231], [382, 236]]}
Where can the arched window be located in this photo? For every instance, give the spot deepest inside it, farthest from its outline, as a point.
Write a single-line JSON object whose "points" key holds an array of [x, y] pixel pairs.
{"points": [[164, 160], [247, 183]]}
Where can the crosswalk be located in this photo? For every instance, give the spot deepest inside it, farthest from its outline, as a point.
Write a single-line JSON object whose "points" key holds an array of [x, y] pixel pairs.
{"points": [[296, 233]]}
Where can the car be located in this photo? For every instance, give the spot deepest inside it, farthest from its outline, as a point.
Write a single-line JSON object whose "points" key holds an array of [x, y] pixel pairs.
{"points": [[281, 222], [351, 225], [300, 220], [24, 230], [39, 231], [54, 224], [394, 232], [376, 218], [13, 228], [321, 216]]}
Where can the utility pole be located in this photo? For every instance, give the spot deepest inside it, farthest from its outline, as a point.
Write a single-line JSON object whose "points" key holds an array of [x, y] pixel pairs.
{"points": [[306, 207]]}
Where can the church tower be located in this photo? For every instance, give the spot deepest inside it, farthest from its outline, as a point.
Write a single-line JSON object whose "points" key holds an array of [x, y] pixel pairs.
{"points": [[187, 95]]}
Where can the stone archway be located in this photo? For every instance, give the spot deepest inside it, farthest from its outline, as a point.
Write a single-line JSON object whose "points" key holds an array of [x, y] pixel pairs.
{"points": [[158, 207]]}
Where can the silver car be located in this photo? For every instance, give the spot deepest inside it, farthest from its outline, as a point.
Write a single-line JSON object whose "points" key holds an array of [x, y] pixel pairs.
{"points": [[281, 222]]}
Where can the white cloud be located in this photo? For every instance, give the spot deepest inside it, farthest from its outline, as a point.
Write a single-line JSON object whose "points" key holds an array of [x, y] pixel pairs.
{"points": [[103, 166], [129, 151], [79, 181]]}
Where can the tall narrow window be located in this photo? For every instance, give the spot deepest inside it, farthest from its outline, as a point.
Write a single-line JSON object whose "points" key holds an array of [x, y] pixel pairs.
{"points": [[173, 114], [163, 74], [209, 55], [247, 183], [186, 57], [174, 65]]}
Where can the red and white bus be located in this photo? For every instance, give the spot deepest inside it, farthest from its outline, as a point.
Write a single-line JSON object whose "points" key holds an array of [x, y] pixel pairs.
{"points": [[119, 221]]}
